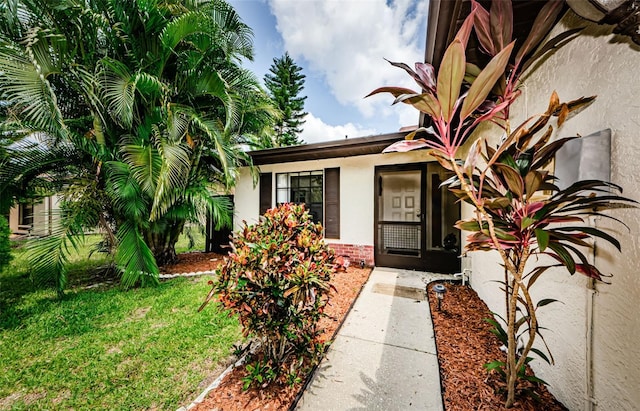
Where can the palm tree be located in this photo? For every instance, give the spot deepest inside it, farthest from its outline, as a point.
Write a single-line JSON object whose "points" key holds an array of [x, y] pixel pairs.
{"points": [[147, 97]]}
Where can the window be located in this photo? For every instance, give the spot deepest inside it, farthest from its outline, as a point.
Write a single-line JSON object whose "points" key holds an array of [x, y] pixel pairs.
{"points": [[26, 214], [304, 187], [318, 190]]}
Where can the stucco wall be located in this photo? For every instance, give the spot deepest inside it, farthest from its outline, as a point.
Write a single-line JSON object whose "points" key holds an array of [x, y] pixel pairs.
{"points": [[356, 191], [601, 64]]}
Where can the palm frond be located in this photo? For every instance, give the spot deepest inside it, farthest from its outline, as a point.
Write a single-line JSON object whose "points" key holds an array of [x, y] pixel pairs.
{"points": [[173, 177], [48, 256], [118, 90], [124, 191], [145, 163], [134, 257], [24, 85]]}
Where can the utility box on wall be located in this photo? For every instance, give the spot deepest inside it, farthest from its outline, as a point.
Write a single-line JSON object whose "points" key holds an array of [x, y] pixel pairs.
{"points": [[585, 158]]}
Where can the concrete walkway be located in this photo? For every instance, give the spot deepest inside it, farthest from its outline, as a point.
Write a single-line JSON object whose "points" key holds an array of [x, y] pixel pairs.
{"points": [[384, 356]]}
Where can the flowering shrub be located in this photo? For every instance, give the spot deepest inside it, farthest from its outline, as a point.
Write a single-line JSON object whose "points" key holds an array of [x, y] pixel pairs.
{"points": [[276, 280]]}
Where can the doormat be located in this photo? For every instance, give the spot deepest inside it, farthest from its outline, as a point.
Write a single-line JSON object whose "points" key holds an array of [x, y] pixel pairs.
{"points": [[400, 291]]}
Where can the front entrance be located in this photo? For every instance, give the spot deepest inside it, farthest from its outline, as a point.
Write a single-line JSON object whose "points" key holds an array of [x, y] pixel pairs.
{"points": [[414, 219]]}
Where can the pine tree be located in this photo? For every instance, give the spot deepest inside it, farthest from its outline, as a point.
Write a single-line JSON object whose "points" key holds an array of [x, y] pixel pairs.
{"points": [[285, 82]]}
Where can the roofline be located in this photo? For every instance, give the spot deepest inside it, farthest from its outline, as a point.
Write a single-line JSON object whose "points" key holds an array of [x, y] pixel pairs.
{"points": [[330, 149], [442, 13], [440, 29]]}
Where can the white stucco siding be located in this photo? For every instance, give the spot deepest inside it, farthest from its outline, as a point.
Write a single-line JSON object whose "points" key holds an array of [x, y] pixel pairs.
{"points": [[356, 191], [593, 64], [246, 200]]}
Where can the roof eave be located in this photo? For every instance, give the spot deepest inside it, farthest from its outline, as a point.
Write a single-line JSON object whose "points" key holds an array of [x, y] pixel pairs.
{"points": [[325, 150]]}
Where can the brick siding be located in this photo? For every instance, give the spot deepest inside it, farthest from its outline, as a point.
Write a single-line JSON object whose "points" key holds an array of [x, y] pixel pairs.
{"points": [[356, 253]]}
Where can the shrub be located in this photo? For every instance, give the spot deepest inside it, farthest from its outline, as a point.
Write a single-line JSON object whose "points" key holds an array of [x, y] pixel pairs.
{"points": [[277, 280], [5, 244]]}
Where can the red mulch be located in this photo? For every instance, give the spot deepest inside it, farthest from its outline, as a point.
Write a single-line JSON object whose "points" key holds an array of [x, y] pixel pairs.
{"points": [[462, 336], [464, 344], [229, 396], [193, 262]]}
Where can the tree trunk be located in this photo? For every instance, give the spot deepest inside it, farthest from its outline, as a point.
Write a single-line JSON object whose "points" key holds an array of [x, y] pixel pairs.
{"points": [[162, 241]]}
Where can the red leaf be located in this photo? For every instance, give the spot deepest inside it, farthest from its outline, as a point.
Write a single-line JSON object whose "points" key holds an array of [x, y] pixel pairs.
{"points": [[483, 28], [501, 17], [541, 26], [590, 271]]}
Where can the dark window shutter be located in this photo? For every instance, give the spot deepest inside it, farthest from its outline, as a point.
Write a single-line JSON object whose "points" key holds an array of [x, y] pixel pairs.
{"points": [[332, 202], [266, 184]]}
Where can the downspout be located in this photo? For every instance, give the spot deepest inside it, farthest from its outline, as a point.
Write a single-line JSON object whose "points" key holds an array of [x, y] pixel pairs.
{"points": [[590, 400], [595, 163], [591, 292]]}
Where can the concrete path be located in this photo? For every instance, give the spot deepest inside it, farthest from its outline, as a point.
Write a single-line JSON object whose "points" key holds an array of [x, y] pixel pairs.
{"points": [[384, 356]]}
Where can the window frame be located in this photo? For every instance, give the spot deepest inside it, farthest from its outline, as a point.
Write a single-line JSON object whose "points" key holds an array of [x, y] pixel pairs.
{"points": [[291, 187]]}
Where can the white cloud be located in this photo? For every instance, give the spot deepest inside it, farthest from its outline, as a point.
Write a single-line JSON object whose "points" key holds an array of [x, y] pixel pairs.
{"points": [[346, 42], [316, 130]]}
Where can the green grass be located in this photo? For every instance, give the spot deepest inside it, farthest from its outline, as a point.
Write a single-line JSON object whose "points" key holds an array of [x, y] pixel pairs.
{"points": [[184, 244], [107, 348]]}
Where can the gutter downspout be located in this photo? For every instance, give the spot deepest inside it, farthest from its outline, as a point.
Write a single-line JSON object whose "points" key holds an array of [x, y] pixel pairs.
{"points": [[590, 400]]}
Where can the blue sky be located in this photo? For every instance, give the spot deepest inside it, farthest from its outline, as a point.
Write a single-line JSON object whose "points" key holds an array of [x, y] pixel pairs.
{"points": [[341, 46]]}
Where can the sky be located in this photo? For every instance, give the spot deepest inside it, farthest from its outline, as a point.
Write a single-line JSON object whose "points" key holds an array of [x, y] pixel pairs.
{"points": [[341, 46]]}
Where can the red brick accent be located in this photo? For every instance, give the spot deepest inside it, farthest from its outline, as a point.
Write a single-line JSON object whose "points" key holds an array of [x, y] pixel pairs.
{"points": [[356, 253]]}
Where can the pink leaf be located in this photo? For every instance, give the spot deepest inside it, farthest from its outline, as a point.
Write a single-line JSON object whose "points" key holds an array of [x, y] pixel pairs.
{"points": [[485, 81], [450, 78], [427, 76], [465, 29], [407, 145]]}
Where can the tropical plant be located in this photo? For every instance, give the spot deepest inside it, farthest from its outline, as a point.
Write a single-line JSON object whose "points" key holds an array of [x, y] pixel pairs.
{"points": [[519, 211], [276, 280], [138, 111], [285, 82]]}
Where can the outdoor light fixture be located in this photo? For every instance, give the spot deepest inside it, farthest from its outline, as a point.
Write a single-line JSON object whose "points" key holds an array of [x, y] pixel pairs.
{"points": [[624, 14], [439, 289]]}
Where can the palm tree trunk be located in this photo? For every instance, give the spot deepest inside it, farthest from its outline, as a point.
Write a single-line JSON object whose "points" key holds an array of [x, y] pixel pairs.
{"points": [[163, 242]]}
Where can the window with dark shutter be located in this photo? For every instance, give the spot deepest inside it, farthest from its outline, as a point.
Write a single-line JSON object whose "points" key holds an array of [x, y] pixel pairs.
{"points": [[332, 202], [266, 184]]}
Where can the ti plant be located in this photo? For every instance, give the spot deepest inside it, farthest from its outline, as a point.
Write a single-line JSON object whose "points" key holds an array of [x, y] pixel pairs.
{"points": [[518, 210]]}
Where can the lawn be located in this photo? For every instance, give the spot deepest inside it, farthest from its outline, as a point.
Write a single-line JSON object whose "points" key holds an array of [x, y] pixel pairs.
{"points": [[106, 348]]}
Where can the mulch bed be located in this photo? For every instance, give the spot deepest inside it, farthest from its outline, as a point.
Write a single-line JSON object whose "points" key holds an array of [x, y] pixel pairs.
{"points": [[464, 344], [193, 262], [229, 396], [462, 336]]}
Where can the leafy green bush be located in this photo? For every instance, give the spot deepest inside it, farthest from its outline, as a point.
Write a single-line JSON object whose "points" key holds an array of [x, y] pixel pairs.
{"points": [[5, 245], [277, 280]]}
